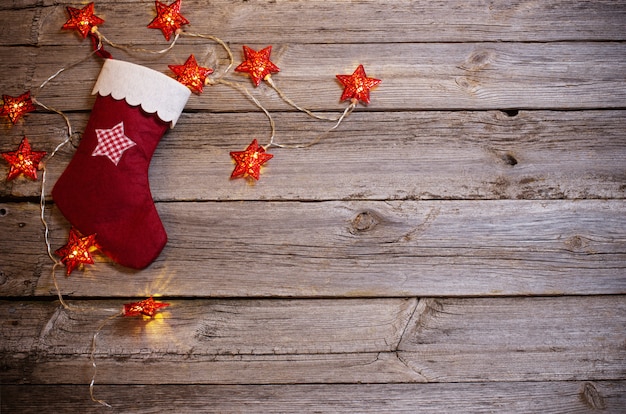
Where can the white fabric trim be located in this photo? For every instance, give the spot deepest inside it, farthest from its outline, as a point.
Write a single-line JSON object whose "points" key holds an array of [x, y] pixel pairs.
{"points": [[139, 85]]}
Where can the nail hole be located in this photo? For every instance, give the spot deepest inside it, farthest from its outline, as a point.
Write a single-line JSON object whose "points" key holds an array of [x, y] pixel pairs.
{"points": [[509, 159], [3, 211], [511, 112]]}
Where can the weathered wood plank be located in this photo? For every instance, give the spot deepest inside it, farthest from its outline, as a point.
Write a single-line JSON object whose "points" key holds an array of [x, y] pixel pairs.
{"points": [[139, 368], [217, 327], [402, 201], [568, 75], [510, 398], [363, 249], [320, 341], [406, 155], [19, 26], [299, 341], [359, 22], [476, 339]]}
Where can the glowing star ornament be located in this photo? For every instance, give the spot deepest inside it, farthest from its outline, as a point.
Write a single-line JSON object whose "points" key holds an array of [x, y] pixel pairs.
{"points": [[257, 64], [191, 75], [16, 106], [147, 307], [77, 251], [249, 162], [83, 20], [357, 86], [23, 161], [168, 18]]}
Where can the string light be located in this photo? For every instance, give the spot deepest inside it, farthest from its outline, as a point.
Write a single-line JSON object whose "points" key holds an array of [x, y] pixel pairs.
{"points": [[77, 251], [24, 161], [82, 20], [259, 67], [168, 19], [257, 64], [191, 75], [16, 107], [249, 162], [358, 85], [100, 39], [285, 98], [147, 307]]}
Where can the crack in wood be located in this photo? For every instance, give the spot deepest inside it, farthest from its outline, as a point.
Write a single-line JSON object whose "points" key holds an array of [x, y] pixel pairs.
{"points": [[35, 27], [422, 227], [409, 366], [406, 325]]}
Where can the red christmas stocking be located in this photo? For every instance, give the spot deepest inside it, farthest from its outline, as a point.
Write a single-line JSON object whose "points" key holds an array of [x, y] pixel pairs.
{"points": [[105, 189]]}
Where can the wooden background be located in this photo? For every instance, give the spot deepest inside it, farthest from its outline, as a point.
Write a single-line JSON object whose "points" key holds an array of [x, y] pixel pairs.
{"points": [[459, 245]]}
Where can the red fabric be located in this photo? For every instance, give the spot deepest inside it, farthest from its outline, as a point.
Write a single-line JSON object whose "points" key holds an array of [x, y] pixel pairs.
{"points": [[97, 46], [114, 201]]}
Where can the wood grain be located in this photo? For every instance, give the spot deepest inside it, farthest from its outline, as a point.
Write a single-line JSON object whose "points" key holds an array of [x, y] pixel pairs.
{"points": [[320, 341], [429, 76], [494, 339], [458, 245], [354, 22], [375, 156], [362, 249], [512, 397]]}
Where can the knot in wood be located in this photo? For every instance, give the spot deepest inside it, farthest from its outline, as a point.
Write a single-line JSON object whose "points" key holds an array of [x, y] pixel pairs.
{"points": [[575, 243], [590, 396], [364, 221], [509, 159], [478, 60]]}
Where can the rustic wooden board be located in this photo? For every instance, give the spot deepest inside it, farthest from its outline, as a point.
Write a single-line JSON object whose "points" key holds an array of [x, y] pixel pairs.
{"points": [[216, 327], [319, 341], [510, 398], [376, 156], [362, 249], [16, 26], [416, 259], [497, 339], [334, 341], [353, 22], [415, 76]]}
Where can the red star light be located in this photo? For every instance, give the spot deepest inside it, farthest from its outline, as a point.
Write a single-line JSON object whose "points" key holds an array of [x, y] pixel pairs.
{"points": [[148, 307], [358, 85], [77, 251], [23, 161], [249, 162], [83, 20], [16, 106], [168, 18], [257, 64], [191, 75]]}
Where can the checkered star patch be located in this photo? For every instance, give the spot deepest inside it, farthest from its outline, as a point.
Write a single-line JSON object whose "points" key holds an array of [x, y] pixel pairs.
{"points": [[112, 143]]}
